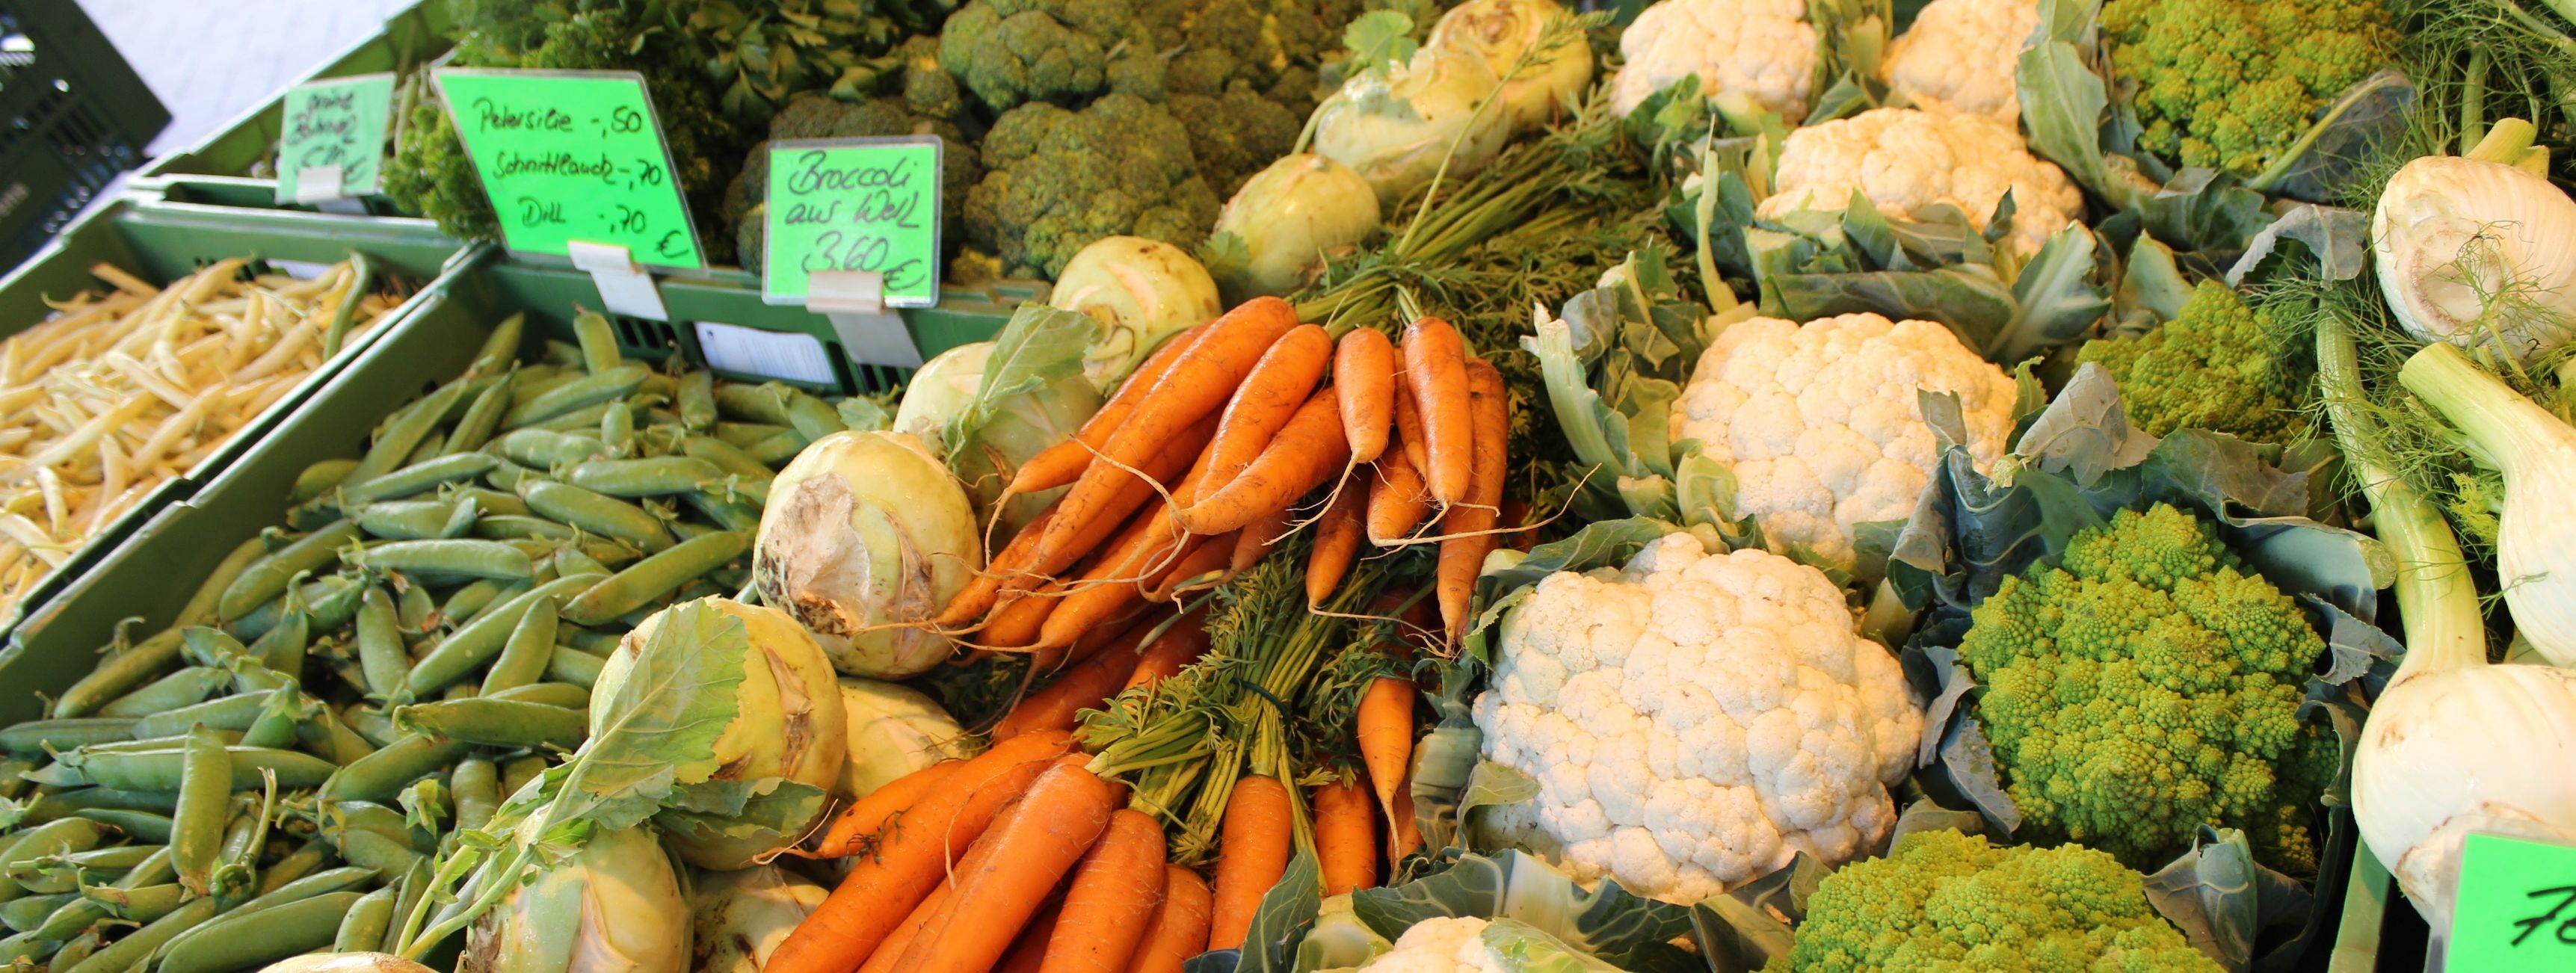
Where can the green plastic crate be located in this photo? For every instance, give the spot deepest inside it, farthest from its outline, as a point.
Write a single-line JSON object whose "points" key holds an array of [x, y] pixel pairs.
{"points": [[161, 242], [76, 115], [2381, 931]]}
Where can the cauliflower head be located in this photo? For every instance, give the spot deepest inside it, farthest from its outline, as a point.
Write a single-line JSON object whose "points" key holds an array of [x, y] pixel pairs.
{"points": [[1942, 900], [1959, 56], [1695, 719], [2218, 365], [2232, 84], [1905, 159], [2149, 685], [1763, 49], [1822, 428], [1468, 944]]}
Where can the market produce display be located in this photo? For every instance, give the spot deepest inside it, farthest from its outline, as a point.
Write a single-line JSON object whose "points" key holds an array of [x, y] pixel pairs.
{"points": [[1753, 485]]}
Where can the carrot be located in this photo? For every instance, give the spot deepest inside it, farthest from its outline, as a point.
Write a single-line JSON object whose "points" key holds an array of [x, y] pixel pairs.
{"points": [[1011, 869], [1408, 427], [1064, 462], [1278, 384], [1114, 894], [912, 857], [1180, 645], [1403, 830], [1251, 855], [1115, 580], [1015, 622], [1204, 555], [1385, 733], [896, 942], [1179, 928], [1345, 836], [971, 602], [1397, 500], [1364, 371], [1255, 540], [850, 831], [1029, 952], [1462, 556], [1198, 383], [1435, 364], [1175, 458], [1337, 541], [1083, 685], [1307, 452]]}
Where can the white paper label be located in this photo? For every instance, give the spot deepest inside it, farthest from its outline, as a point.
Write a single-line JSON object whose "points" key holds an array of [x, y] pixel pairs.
{"points": [[776, 354], [624, 287], [317, 183]]}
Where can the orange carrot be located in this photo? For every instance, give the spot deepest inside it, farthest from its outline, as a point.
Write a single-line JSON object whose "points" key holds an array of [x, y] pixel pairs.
{"points": [[912, 857], [1397, 500], [1128, 494], [1180, 645], [1463, 557], [1029, 952], [1199, 382], [888, 952], [1113, 896], [1408, 428], [1063, 462], [1307, 452], [851, 831], [1364, 371], [1385, 733], [1345, 836], [1255, 540], [1251, 855], [1403, 830], [1204, 555], [1435, 364], [1012, 868], [1115, 580], [1337, 541], [1179, 928], [1278, 384], [1080, 686], [981, 591], [1015, 622]]}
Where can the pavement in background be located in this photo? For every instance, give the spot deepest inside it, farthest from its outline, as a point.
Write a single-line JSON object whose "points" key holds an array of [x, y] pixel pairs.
{"points": [[209, 61]]}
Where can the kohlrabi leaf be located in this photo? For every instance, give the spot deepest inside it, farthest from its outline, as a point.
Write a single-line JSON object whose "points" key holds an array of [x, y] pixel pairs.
{"points": [[662, 723], [1608, 922], [1378, 40], [1287, 911], [1040, 345], [771, 818]]}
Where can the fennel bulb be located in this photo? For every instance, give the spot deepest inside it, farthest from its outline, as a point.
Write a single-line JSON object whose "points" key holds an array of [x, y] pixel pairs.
{"points": [[2477, 250], [1500, 31], [1395, 127], [2452, 745], [1291, 217], [2536, 539], [864, 538], [894, 730], [614, 907], [741, 916], [1142, 292]]}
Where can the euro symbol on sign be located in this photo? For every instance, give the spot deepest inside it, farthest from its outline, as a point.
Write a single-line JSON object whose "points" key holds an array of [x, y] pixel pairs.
{"points": [[671, 244]]}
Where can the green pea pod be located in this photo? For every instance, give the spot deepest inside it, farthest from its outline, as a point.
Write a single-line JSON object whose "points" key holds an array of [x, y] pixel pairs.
{"points": [[777, 449], [602, 386], [120, 671], [383, 773], [141, 903], [235, 713], [268, 577], [411, 520], [470, 558], [726, 456], [697, 400], [371, 723], [652, 477], [323, 735], [516, 774], [812, 417], [405, 432], [275, 725], [160, 770], [476, 784], [763, 403], [282, 649], [571, 665], [508, 527], [523, 657], [186, 687], [50, 838], [141, 825], [27, 913], [414, 608], [319, 478], [431, 447], [598, 342], [245, 940], [654, 577], [41, 736], [478, 641], [471, 599], [172, 742], [545, 448], [571, 559], [561, 694], [498, 722], [64, 804], [27, 950], [419, 478], [482, 417], [381, 655], [501, 347], [200, 609], [582, 422], [743, 434], [597, 513], [328, 604], [490, 502], [617, 430], [366, 922]]}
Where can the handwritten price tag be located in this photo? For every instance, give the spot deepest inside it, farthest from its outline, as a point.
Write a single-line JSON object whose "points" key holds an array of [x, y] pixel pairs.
{"points": [[854, 204], [2516, 908], [331, 126], [573, 155]]}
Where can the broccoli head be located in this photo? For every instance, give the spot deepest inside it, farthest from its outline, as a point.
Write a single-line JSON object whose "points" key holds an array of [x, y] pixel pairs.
{"points": [[2149, 685], [2231, 84], [1273, 45], [1009, 52], [1942, 900], [2219, 365], [1235, 134], [1056, 180]]}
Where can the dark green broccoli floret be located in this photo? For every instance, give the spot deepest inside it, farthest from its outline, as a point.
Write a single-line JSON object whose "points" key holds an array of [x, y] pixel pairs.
{"points": [[1235, 134], [1013, 51], [813, 115], [1946, 901], [928, 89], [2231, 84], [1056, 180], [2147, 686], [2218, 365]]}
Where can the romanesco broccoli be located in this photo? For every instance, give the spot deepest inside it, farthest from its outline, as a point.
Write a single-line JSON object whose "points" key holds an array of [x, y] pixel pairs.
{"points": [[2147, 686], [2218, 365], [1948, 901], [2231, 84]]}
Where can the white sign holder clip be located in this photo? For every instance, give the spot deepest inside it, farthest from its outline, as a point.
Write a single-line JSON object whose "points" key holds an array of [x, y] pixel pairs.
{"points": [[319, 186], [623, 286], [854, 300]]}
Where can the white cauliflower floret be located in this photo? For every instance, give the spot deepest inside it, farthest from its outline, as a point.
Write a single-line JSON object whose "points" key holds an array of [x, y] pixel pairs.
{"points": [[1764, 49], [1905, 159], [1694, 720], [1439, 945], [1822, 428], [1959, 56]]}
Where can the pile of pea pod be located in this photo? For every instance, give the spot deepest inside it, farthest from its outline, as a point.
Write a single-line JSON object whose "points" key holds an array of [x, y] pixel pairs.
{"points": [[275, 772]]}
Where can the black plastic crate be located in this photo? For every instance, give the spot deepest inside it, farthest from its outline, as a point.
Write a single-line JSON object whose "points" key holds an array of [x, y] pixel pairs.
{"points": [[73, 115]]}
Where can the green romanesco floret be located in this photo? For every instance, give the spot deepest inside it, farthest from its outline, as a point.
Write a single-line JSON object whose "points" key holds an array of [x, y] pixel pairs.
{"points": [[2231, 84], [2149, 685], [1056, 180], [1944, 901], [2218, 365], [1009, 52]]}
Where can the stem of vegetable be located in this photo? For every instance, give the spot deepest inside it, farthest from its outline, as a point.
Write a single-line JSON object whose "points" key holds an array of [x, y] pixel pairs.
{"points": [[2473, 101], [2436, 598], [1549, 35], [2498, 424]]}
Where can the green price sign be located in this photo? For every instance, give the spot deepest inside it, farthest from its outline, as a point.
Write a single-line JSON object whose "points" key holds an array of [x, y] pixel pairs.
{"points": [[332, 143], [869, 205], [573, 155], [2516, 907]]}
